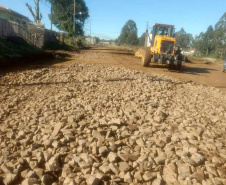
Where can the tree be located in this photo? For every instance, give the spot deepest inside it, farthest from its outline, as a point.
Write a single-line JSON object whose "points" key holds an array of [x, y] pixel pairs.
{"points": [[142, 39], [204, 41], [184, 39], [213, 41], [97, 40], [221, 23], [63, 13], [208, 40], [128, 34], [198, 43], [37, 15], [219, 37]]}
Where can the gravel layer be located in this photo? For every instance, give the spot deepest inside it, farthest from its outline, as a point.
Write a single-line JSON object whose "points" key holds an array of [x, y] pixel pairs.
{"points": [[93, 124]]}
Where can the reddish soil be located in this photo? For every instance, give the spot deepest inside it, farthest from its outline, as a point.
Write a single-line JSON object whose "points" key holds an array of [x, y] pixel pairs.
{"points": [[198, 72]]}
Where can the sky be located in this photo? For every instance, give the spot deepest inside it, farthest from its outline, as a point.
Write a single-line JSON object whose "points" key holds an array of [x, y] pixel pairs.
{"points": [[109, 16]]}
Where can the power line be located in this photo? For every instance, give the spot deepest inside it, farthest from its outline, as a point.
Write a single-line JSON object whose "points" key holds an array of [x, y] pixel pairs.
{"points": [[119, 21], [104, 31], [45, 4]]}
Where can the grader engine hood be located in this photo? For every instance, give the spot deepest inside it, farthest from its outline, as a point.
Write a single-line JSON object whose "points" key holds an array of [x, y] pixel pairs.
{"points": [[163, 43]]}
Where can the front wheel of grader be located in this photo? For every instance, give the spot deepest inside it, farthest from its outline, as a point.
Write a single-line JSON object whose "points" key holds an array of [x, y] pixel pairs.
{"points": [[179, 66], [146, 57]]}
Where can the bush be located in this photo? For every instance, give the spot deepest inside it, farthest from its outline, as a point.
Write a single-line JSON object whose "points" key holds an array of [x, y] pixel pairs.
{"points": [[56, 46], [15, 47], [79, 41], [198, 54]]}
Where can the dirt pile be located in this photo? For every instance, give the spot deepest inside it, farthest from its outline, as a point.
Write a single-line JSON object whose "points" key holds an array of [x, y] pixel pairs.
{"points": [[90, 124]]}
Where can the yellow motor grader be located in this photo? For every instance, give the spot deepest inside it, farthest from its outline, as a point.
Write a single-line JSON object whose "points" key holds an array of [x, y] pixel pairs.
{"points": [[161, 48]]}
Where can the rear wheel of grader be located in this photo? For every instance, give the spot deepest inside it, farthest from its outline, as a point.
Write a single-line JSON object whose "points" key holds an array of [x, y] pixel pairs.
{"points": [[170, 67], [146, 57]]}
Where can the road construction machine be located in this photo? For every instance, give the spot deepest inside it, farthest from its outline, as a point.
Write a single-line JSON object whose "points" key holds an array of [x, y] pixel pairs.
{"points": [[161, 48]]}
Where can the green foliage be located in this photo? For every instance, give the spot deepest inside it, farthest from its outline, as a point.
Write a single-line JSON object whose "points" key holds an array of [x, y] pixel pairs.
{"points": [[142, 39], [78, 42], [208, 40], [10, 48], [184, 40], [213, 42], [219, 37], [199, 42], [97, 39], [56, 46], [62, 15], [221, 23], [128, 34], [204, 41]]}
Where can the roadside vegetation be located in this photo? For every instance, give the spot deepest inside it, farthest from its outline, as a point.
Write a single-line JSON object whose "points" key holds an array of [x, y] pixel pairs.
{"points": [[213, 41], [62, 16], [16, 47], [69, 44]]}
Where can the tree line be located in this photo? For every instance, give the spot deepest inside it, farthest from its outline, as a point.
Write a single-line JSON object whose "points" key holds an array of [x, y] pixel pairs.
{"points": [[209, 43], [213, 41]]}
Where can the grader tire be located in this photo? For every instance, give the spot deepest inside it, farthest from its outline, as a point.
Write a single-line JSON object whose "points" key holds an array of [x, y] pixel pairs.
{"points": [[179, 66], [146, 57]]}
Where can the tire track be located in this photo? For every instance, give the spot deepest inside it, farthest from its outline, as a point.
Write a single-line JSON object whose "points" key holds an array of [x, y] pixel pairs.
{"points": [[118, 60], [130, 64]]}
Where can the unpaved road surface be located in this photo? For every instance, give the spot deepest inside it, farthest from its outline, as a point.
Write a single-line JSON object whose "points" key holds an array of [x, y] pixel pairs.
{"points": [[77, 123], [198, 72]]}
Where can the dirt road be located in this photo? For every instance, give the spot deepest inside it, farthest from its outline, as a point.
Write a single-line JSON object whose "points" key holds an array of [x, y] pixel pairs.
{"points": [[200, 73], [67, 122]]}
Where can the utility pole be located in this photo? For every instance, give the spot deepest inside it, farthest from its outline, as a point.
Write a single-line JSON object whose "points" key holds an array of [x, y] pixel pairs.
{"points": [[74, 19], [51, 15], [146, 36], [90, 27]]}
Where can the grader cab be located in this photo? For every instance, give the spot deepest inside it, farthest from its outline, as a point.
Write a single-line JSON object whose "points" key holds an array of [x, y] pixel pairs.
{"points": [[162, 48]]}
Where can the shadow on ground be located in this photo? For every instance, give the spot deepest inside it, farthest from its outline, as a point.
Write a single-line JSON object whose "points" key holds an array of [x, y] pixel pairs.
{"points": [[59, 83], [108, 49], [37, 61], [185, 69], [196, 70], [120, 53]]}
